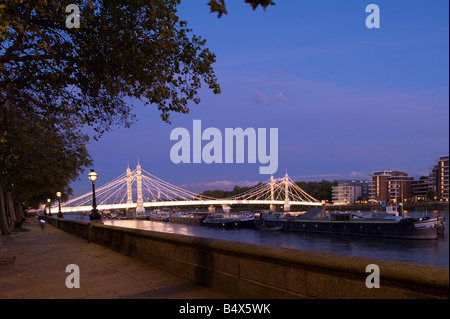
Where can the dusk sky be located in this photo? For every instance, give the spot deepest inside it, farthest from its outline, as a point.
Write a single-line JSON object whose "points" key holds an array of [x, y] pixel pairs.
{"points": [[347, 100]]}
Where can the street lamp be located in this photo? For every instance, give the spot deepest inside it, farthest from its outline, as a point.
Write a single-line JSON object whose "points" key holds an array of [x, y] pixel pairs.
{"points": [[94, 215], [49, 201], [58, 194]]}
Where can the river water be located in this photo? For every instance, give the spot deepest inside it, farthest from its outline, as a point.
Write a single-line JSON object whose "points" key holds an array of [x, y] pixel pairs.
{"points": [[425, 252]]}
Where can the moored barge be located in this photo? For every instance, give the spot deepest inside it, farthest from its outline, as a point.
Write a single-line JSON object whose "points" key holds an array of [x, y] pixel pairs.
{"points": [[195, 218], [376, 225], [231, 220]]}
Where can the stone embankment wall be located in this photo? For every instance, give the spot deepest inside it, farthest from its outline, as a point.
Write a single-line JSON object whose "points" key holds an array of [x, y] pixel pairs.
{"points": [[257, 271]]}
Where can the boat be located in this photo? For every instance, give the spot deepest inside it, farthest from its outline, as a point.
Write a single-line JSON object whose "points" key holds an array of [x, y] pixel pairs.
{"points": [[190, 218], [440, 225], [272, 228], [230, 220], [159, 215], [383, 224]]}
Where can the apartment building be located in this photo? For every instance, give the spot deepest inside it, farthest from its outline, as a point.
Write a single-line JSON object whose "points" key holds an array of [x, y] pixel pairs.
{"points": [[395, 186], [421, 188], [349, 191], [390, 187], [441, 170], [400, 188]]}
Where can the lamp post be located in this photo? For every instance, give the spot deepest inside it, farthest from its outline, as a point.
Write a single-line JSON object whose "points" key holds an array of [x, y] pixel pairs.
{"points": [[58, 194], [49, 201], [94, 215]]}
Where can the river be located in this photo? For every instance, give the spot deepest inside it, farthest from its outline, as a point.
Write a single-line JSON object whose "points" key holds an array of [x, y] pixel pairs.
{"points": [[425, 252]]}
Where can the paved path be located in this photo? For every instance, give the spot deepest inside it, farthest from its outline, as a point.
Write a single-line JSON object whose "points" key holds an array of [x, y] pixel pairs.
{"points": [[33, 264]]}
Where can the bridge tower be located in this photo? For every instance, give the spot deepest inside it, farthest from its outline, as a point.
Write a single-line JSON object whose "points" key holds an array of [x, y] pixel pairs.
{"points": [[140, 202], [129, 193], [272, 207], [287, 206]]}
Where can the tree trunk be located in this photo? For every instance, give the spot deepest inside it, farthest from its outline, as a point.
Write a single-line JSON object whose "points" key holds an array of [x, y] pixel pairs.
{"points": [[20, 217], [4, 227], [19, 211], [10, 207]]}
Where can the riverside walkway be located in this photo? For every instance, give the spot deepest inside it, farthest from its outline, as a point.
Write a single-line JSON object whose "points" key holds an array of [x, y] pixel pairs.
{"points": [[33, 266]]}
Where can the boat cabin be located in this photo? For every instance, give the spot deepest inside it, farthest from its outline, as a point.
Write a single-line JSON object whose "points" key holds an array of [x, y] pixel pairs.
{"points": [[342, 217]]}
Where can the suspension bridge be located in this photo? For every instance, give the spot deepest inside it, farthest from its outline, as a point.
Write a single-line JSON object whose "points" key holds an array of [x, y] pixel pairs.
{"points": [[153, 192]]}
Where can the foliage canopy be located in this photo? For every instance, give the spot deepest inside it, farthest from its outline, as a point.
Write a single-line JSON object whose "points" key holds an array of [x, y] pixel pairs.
{"points": [[56, 79], [123, 51]]}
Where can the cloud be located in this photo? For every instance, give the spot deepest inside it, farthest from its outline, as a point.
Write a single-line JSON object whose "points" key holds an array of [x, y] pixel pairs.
{"points": [[281, 97], [260, 97], [317, 177], [331, 177], [357, 175]]}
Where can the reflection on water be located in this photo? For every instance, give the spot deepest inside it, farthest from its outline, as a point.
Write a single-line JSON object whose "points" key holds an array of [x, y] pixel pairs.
{"points": [[427, 252]]}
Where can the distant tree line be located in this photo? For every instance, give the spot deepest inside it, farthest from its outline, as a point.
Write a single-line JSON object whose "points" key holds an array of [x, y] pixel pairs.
{"points": [[318, 190], [217, 193]]}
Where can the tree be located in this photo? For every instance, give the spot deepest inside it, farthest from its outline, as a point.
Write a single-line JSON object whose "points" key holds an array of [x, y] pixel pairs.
{"points": [[319, 190], [122, 52], [60, 79], [60, 75], [431, 195], [38, 158], [219, 5], [237, 190]]}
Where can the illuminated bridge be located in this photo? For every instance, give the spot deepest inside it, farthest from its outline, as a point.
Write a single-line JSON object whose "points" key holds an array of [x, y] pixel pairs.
{"points": [[153, 192]]}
